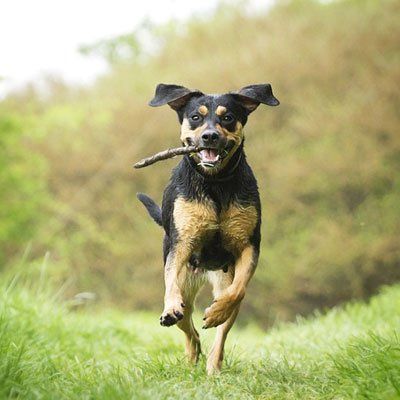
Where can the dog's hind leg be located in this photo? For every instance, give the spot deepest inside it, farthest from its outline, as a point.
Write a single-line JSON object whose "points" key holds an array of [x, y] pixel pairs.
{"points": [[192, 344], [220, 281], [191, 286]]}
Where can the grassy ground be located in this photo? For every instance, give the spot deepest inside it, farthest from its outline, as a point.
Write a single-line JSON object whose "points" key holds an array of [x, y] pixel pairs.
{"points": [[49, 351]]}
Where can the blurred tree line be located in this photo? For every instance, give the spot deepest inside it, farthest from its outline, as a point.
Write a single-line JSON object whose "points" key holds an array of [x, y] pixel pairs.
{"points": [[327, 160]]}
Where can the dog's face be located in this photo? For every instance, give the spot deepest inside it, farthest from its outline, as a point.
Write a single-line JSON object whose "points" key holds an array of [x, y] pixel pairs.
{"points": [[213, 121]]}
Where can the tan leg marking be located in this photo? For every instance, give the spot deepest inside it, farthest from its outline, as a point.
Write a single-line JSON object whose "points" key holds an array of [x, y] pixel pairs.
{"points": [[216, 355], [193, 221], [174, 276], [224, 305], [192, 344], [220, 281], [237, 226]]}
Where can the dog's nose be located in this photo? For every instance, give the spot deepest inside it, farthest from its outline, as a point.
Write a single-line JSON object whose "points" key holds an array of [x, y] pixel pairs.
{"points": [[210, 137]]}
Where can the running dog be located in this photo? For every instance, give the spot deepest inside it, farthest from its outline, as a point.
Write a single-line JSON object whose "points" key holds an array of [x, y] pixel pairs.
{"points": [[211, 211]]}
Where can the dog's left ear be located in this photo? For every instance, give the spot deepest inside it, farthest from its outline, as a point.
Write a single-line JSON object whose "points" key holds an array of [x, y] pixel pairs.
{"points": [[251, 96], [174, 95]]}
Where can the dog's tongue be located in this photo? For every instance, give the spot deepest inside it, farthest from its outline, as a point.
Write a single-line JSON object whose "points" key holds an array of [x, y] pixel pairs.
{"points": [[209, 155]]}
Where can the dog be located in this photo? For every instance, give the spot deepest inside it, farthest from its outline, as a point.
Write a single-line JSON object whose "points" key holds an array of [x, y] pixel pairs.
{"points": [[211, 212]]}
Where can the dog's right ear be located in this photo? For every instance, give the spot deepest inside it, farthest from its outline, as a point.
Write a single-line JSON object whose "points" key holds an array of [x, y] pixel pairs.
{"points": [[253, 95], [174, 95]]}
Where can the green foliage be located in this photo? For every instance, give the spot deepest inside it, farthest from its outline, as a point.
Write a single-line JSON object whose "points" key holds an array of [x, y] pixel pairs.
{"points": [[22, 183], [327, 160], [49, 351]]}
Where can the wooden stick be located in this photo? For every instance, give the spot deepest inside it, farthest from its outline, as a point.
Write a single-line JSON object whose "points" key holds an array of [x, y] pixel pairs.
{"points": [[169, 153]]}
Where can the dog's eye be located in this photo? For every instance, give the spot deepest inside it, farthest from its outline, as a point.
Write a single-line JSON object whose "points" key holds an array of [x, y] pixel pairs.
{"points": [[195, 117], [227, 118]]}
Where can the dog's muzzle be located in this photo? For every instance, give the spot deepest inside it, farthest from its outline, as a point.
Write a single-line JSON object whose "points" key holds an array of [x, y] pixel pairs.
{"points": [[214, 144]]}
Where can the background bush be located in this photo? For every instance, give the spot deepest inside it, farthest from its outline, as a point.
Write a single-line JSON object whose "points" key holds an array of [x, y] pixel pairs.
{"points": [[327, 160]]}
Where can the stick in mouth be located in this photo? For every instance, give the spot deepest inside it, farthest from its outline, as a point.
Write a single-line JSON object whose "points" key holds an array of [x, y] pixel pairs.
{"points": [[169, 153]]}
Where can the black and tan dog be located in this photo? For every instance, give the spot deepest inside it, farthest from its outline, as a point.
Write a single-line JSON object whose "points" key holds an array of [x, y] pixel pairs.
{"points": [[210, 212]]}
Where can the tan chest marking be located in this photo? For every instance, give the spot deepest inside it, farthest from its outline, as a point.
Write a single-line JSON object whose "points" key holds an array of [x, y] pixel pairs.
{"points": [[194, 220], [237, 226]]}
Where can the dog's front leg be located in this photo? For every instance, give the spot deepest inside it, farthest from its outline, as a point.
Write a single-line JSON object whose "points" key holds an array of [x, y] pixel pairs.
{"points": [[174, 275], [224, 305]]}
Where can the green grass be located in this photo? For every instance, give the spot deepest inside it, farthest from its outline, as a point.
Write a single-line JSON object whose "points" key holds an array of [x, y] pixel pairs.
{"points": [[49, 351]]}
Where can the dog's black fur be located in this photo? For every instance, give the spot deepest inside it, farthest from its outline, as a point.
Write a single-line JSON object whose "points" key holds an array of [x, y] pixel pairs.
{"points": [[227, 181]]}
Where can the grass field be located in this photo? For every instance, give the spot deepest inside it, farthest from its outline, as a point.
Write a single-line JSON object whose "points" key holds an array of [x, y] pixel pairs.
{"points": [[49, 351]]}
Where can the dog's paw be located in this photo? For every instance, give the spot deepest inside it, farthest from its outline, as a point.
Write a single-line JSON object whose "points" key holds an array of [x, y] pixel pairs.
{"points": [[171, 315], [219, 311]]}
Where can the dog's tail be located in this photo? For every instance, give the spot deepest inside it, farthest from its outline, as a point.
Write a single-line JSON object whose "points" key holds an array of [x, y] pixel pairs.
{"points": [[152, 208]]}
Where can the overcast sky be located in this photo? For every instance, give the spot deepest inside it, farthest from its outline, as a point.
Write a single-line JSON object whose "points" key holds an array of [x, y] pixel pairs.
{"points": [[42, 36]]}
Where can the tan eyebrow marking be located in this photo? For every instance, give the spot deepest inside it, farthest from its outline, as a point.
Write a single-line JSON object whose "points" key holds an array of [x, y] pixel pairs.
{"points": [[203, 110], [221, 110]]}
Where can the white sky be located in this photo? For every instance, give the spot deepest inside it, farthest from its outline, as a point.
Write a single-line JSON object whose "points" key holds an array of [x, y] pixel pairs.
{"points": [[40, 37]]}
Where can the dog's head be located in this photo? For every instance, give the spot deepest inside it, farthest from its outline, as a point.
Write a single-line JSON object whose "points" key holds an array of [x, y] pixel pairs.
{"points": [[213, 121]]}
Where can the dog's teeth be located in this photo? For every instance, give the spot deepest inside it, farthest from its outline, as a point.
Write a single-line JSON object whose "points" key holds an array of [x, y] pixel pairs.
{"points": [[217, 158]]}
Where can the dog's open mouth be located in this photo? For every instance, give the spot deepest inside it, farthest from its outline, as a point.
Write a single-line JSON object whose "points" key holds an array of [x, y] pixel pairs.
{"points": [[210, 156], [213, 157]]}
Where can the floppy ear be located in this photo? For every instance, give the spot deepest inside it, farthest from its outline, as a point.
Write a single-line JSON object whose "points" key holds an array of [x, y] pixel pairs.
{"points": [[173, 95], [251, 96]]}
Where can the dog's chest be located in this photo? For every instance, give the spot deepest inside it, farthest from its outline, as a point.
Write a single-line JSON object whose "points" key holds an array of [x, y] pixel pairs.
{"points": [[196, 222]]}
